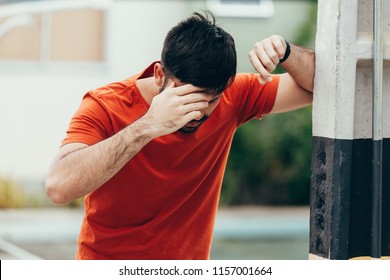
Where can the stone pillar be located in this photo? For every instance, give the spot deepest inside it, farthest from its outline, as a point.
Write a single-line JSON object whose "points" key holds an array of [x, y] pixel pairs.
{"points": [[341, 188]]}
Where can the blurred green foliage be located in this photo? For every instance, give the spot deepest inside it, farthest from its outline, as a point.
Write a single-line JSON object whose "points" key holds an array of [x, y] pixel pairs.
{"points": [[270, 160], [11, 195]]}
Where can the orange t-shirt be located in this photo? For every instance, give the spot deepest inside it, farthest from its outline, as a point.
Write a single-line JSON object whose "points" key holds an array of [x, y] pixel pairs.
{"points": [[162, 203]]}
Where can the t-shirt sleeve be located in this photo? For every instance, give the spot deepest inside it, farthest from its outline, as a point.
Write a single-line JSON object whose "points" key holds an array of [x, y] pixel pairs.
{"points": [[90, 124], [251, 98]]}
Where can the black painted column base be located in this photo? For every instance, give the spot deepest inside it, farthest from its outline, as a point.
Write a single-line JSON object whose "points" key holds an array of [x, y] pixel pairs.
{"points": [[341, 198]]}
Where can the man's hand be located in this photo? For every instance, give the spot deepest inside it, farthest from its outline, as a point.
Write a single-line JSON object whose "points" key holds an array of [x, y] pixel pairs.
{"points": [[174, 107], [296, 86], [266, 55]]}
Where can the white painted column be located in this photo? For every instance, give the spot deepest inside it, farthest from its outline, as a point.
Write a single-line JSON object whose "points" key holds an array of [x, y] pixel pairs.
{"points": [[342, 131]]}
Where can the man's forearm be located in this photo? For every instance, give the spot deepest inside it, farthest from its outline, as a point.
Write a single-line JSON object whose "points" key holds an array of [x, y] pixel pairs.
{"points": [[301, 66], [82, 171]]}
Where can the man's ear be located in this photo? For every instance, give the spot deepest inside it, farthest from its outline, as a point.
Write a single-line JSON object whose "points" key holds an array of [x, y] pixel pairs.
{"points": [[159, 75]]}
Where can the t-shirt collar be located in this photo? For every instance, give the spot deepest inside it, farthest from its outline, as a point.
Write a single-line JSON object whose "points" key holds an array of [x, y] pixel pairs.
{"points": [[148, 72]]}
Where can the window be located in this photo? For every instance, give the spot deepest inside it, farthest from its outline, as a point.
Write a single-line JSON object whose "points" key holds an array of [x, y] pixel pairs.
{"points": [[50, 33], [242, 8]]}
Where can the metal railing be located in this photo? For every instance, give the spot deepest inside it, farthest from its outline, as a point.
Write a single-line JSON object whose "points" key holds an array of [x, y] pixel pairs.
{"points": [[16, 252]]}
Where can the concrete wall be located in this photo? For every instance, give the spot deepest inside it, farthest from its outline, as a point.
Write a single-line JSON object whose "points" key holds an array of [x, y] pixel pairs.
{"points": [[341, 196]]}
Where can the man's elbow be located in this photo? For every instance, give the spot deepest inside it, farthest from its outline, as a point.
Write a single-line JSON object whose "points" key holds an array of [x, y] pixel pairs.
{"points": [[55, 191]]}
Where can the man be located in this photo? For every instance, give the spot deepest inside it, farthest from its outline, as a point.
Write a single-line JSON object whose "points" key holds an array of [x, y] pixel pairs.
{"points": [[149, 153]]}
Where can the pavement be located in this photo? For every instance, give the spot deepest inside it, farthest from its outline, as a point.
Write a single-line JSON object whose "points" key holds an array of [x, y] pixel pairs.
{"points": [[51, 233]]}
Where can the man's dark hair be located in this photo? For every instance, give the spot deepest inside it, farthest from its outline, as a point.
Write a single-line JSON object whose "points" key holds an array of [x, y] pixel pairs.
{"points": [[198, 52]]}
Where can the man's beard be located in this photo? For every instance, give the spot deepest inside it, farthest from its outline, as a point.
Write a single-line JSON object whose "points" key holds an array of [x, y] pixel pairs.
{"points": [[193, 125]]}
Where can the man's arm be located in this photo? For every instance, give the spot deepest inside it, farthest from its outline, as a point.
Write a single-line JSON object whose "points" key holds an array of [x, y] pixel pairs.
{"points": [[79, 169], [295, 86]]}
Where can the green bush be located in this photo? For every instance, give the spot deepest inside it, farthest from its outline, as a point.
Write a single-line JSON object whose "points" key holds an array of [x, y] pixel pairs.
{"points": [[270, 160]]}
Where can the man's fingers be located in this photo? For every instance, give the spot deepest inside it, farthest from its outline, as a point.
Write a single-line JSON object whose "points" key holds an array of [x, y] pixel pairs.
{"points": [[192, 116], [195, 97], [189, 94], [186, 89], [266, 55], [194, 106], [171, 85], [279, 46], [259, 67], [273, 56]]}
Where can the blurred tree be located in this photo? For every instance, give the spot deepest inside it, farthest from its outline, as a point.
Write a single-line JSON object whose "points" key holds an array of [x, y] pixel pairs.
{"points": [[270, 160], [11, 194]]}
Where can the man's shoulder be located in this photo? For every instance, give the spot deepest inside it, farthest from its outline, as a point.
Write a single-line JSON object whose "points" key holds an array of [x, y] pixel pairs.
{"points": [[115, 93], [112, 89], [242, 82]]}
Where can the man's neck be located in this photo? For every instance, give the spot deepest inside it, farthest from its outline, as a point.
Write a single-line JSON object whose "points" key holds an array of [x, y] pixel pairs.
{"points": [[148, 88]]}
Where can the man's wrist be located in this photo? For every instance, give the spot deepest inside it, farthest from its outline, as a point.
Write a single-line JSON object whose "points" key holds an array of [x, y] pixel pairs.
{"points": [[287, 53]]}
